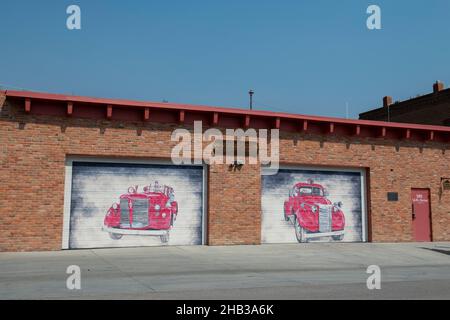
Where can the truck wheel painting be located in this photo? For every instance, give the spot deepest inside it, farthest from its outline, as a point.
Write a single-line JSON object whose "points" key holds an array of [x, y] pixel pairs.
{"points": [[312, 214], [151, 212]]}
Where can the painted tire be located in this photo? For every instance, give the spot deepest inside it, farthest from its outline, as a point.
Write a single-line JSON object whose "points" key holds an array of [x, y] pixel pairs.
{"points": [[164, 238], [172, 219], [299, 232], [115, 236], [338, 238]]}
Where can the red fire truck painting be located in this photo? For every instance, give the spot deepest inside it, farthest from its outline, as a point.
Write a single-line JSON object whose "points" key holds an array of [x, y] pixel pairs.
{"points": [[151, 212], [312, 214]]}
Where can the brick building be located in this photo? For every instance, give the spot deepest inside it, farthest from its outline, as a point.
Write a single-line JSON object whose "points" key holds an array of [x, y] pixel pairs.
{"points": [[432, 108], [69, 163]]}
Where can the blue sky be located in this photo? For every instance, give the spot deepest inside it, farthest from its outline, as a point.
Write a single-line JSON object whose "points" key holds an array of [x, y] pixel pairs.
{"points": [[307, 57]]}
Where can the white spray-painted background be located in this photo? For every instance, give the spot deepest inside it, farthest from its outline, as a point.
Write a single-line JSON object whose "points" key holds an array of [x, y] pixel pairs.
{"points": [[95, 187], [342, 186]]}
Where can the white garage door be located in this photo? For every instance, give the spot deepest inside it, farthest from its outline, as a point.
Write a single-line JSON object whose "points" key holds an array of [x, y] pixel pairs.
{"points": [[111, 204], [308, 204]]}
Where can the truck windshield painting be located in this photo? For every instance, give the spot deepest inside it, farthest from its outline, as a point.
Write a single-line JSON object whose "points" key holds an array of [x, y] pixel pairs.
{"points": [[308, 191]]}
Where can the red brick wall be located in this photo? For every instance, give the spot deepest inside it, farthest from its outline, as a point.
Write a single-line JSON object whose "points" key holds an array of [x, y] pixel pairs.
{"points": [[234, 205], [33, 150]]}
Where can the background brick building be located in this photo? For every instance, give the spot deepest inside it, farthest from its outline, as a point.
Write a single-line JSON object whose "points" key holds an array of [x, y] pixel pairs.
{"points": [[432, 108], [40, 133]]}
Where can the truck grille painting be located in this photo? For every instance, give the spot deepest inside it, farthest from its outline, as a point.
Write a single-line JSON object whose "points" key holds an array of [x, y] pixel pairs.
{"points": [[140, 213], [124, 212], [325, 218], [114, 204], [313, 205]]}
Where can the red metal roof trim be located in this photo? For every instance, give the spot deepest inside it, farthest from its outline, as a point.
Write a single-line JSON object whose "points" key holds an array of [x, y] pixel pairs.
{"points": [[435, 133]]}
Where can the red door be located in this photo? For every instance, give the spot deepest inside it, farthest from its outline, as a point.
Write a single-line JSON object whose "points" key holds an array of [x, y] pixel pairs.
{"points": [[421, 226]]}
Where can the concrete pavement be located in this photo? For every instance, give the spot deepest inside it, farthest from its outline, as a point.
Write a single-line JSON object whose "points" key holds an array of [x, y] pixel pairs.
{"points": [[294, 271]]}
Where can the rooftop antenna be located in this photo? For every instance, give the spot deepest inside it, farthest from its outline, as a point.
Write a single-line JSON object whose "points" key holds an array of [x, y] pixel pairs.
{"points": [[251, 92]]}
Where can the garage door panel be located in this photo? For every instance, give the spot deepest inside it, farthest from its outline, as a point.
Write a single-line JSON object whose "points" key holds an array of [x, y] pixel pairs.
{"points": [[96, 186], [331, 186]]}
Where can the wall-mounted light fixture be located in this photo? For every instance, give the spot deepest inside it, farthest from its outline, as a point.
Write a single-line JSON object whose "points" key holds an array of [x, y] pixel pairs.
{"points": [[444, 186]]}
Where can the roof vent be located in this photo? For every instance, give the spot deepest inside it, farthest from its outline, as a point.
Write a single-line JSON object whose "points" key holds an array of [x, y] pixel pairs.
{"points": [[387, 101], [438, 86]]}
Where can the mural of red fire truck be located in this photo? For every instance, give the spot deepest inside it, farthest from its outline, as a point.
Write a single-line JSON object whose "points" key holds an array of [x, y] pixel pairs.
{"points": [[151, 212], [312, 214]]}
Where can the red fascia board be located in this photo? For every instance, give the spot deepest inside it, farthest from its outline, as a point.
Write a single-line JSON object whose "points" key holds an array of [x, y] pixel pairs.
{"points": [[231, 111]]}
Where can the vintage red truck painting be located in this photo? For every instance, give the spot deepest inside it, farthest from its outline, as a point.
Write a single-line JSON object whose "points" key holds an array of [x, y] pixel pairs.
{"points": [[151, 212], [312, 214]]}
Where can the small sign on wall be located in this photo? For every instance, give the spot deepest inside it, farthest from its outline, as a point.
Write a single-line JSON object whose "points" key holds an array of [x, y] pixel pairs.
{"points": [[392, 196]]}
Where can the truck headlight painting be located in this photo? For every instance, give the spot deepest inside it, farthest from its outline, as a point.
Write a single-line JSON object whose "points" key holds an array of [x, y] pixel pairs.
{"points": [[152, 205], [314, 209]]}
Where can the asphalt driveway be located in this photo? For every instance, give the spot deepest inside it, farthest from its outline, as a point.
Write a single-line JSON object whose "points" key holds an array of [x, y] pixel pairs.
{"points": [[306, 271]]}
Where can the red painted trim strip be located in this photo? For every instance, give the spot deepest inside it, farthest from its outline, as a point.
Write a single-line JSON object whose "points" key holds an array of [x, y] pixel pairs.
{"points": [[305, 125], [109, 110], [27, 105], [69, 108], [431, 136], [181, 116], [146, 114], [331, 128], [231, 111], [215, 118], [277, 123], [408, 134], [247, 121]]}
